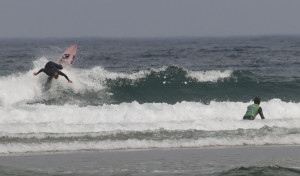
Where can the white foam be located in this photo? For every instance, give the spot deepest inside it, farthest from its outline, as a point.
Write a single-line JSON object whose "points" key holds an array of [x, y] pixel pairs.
{"points": [[216, 116], [94, 78], [19, 87], [147, 144], [22, 87], [41, 121], [210, 76]]}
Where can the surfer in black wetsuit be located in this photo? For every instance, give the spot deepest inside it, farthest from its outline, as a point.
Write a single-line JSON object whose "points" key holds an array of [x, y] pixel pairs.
{"points": [[52, 69]]}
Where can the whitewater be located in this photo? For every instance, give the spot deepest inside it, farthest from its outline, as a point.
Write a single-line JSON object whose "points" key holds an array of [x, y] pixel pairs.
{"points": [[151, 107], [35, 120]]}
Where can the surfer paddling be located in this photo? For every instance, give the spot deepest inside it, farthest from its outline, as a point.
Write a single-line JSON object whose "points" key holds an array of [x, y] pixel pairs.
{"points": [[52, 69], [253, 110]]}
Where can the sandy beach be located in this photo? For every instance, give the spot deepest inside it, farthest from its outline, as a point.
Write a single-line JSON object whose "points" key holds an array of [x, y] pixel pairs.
{"points": [[204, 161]]}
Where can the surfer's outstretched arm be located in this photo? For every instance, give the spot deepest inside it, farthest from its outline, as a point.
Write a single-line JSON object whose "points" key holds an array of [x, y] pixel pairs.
{"points": [[62, 74], [41, 70]]}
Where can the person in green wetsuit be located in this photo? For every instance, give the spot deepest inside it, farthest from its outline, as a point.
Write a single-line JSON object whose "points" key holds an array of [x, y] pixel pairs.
{"points": [[253, 110]]}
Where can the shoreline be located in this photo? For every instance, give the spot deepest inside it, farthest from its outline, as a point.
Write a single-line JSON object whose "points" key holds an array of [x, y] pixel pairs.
{"points": [[170, 161], [70, 152]]}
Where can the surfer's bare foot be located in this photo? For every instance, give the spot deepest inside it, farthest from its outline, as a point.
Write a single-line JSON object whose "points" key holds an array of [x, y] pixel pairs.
{"points": [[70, 81]]}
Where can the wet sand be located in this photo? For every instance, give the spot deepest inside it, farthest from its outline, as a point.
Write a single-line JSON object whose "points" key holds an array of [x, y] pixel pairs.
{"points": [[150, 162]]}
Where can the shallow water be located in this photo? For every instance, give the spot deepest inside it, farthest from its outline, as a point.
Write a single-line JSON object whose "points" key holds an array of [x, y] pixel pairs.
{"points": [[280, 160]]}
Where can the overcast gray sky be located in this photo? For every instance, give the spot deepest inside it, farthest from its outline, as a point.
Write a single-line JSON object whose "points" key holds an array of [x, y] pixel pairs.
{"points": [[148, 18]]}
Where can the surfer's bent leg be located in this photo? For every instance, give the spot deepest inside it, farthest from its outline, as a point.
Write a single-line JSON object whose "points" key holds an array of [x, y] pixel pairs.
{"points": [[49, 80], [47, 85]]}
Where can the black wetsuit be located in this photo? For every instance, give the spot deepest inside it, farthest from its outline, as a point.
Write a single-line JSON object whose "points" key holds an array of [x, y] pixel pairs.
{"points": [[52, 67], [260, 112]]}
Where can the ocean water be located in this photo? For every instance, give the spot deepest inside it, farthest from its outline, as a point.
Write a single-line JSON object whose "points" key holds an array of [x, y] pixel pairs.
{"points": [[131, 94]]}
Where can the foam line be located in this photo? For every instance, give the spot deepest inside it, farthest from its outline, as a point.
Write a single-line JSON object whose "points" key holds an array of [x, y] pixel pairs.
{"points": [[149, 116]]}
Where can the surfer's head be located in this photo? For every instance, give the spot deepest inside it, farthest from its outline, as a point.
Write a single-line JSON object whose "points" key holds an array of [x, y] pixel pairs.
{"points": [[55, 75], [257, 100]]}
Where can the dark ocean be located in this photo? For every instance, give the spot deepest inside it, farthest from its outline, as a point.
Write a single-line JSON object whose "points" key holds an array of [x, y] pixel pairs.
{"points": [[132, 94]]}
